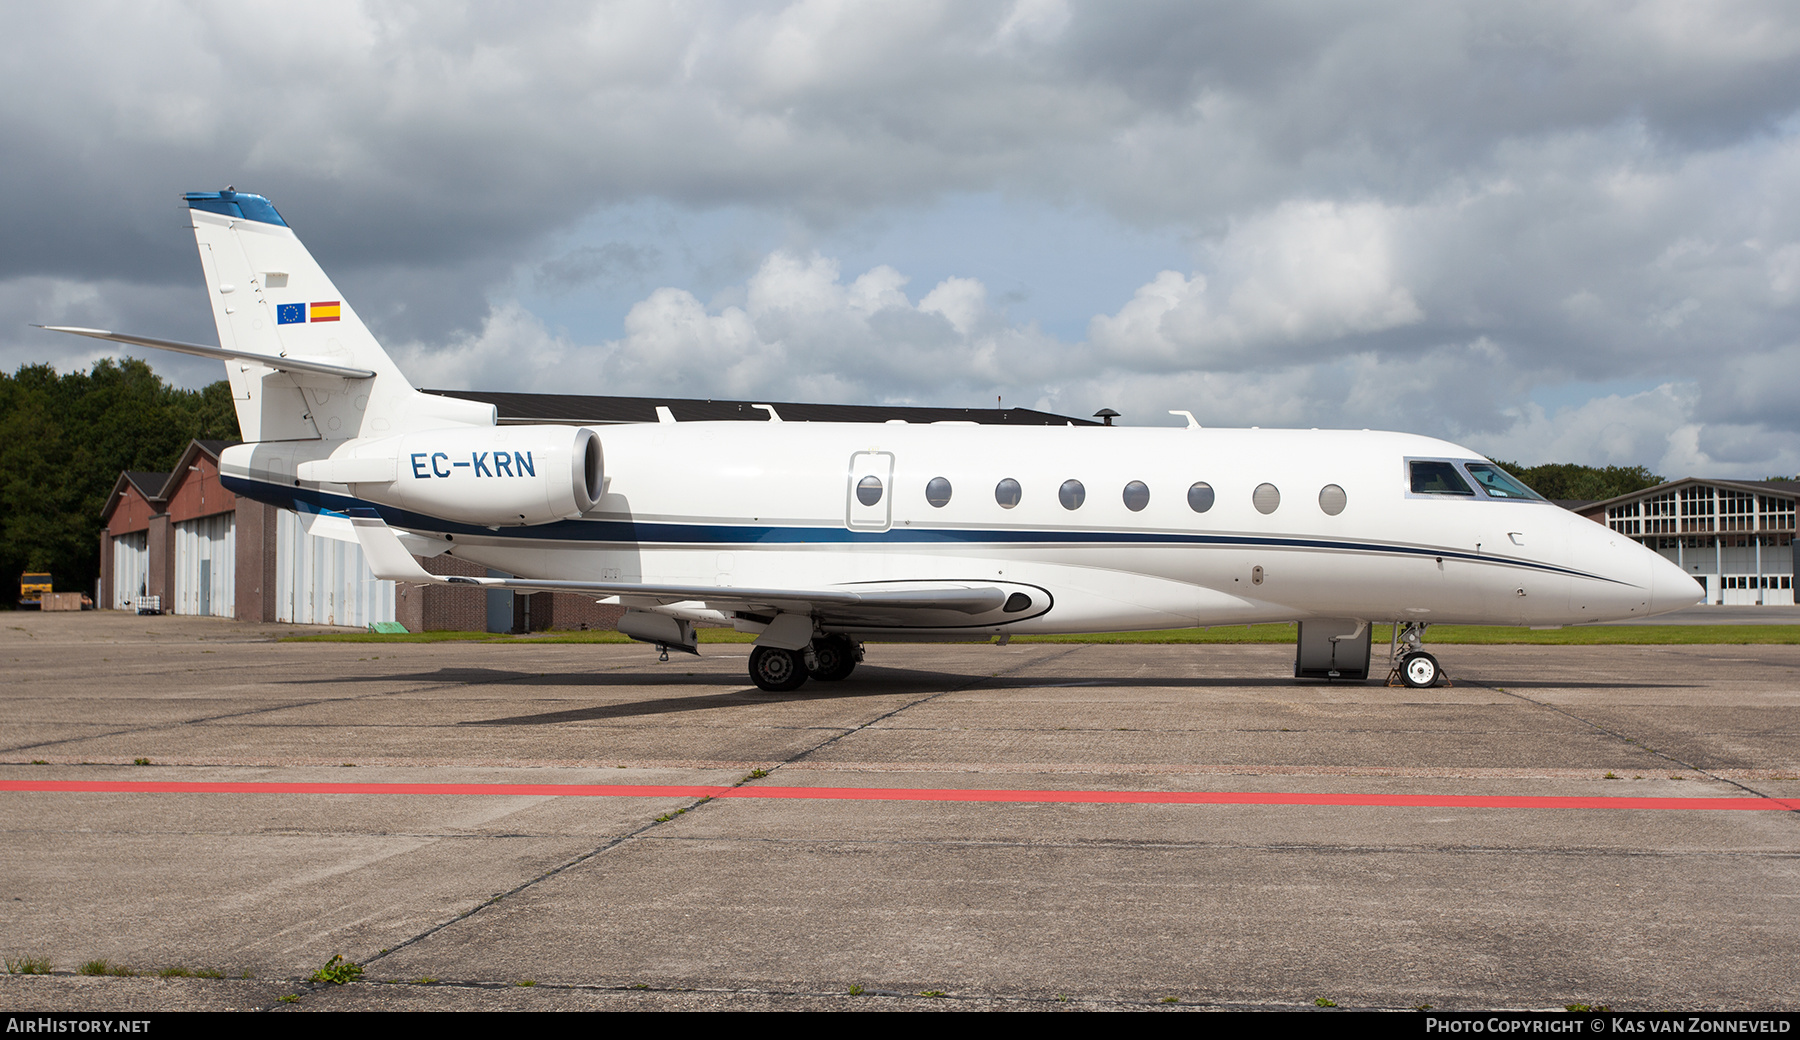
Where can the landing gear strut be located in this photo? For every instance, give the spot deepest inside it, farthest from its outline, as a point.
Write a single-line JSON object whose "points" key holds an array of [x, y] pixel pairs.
{"points": [[1408, 662]]}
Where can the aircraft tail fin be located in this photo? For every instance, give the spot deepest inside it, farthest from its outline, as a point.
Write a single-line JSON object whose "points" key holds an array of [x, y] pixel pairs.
{"points": [[270, 298]]}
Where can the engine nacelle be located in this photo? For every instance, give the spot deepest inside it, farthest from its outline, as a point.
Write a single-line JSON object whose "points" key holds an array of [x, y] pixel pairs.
{"points": [[496, 476]]}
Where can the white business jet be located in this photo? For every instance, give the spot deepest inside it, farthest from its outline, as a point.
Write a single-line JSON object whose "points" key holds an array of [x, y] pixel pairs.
{"points": [[820, 536]]}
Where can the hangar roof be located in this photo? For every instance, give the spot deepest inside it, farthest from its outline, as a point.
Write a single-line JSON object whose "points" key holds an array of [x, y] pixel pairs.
{"points": [[155, 488], [1783, 488]]}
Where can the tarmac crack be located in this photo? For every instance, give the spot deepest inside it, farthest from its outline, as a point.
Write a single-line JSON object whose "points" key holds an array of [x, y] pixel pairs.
{"points": [[650, 992], [1633, 741], [971, 684], [621, 839], [200, 720]]}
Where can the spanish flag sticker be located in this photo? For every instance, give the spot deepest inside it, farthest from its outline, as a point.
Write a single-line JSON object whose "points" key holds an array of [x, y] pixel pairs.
{"points": [[327, 311]]}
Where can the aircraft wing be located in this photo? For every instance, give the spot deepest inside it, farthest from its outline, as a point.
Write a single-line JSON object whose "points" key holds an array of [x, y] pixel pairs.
{"points": [[390, 560]]}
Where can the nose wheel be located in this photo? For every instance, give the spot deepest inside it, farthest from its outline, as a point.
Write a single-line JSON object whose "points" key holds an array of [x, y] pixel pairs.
{"points": [[1409, 664], [1419, 670]]}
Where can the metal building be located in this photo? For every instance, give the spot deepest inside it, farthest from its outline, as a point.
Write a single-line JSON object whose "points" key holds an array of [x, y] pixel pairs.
{"points": [[171, 538], [1736, 537], [186, 545], [319, 581]]}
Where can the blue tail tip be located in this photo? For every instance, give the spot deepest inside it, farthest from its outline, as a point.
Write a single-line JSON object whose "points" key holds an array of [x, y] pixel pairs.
{"points": [[240, 205]]}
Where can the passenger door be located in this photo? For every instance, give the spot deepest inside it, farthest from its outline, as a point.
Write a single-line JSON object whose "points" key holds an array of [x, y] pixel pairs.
{"points": [[869, 492]]}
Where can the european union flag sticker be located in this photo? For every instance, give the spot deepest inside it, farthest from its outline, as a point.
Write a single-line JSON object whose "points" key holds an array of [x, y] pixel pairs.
{"points": [[290, 314]]}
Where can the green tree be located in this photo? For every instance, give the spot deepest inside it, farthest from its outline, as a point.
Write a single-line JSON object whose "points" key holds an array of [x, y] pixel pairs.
{"points": [[63, 441], [1567, 480]]}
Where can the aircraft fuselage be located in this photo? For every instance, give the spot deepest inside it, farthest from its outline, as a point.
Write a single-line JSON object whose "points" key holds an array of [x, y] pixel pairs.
{"points": [[777, 505]]}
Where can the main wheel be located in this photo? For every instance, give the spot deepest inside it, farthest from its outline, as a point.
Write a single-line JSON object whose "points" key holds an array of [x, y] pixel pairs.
{"points": [[777, 670], [1420, 670], [834, 658]]}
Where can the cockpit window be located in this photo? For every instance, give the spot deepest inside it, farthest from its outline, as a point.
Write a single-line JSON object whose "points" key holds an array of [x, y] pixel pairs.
{"points": [[1438, 478], [1498, 483]]}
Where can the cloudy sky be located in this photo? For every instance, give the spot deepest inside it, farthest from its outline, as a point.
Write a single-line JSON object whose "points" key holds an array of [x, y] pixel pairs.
{"points": [[1552, 232]]}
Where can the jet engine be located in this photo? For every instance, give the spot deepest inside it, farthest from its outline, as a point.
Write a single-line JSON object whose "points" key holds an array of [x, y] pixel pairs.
{"points": [[496, 476]]}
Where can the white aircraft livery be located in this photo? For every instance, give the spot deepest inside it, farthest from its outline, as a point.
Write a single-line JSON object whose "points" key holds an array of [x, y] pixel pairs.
{"points": [[818, 537]]}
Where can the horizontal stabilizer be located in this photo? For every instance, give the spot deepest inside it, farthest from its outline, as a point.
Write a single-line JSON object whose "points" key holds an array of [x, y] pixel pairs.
{"points": [[283, 364]]}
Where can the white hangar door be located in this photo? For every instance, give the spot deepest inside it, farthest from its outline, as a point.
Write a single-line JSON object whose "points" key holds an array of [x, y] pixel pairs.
{"points": [[131, 569], [322, 581], [206, 566]]}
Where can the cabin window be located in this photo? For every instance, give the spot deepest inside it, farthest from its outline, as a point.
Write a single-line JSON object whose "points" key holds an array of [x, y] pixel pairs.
{"points": [[1438, 478], [1266, 498], [1498, 483], [868, 490], [1137, 496], [1332, 499], [938, 492], [1071, 494], [1200, 497], [1007, 493]]}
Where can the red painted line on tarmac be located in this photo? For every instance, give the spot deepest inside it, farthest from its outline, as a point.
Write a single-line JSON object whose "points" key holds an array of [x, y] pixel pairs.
{"points": [[911, 794], [253, 787], [1427, 801]]}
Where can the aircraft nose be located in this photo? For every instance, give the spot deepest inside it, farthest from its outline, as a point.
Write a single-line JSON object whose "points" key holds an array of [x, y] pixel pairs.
{"points": [[1671, 588], [1625, 580]]}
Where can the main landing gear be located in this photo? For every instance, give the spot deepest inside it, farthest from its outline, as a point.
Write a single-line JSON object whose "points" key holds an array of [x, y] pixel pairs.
{"points": [[828, 659], [833, 658], [777, 670], [1409, 664]]}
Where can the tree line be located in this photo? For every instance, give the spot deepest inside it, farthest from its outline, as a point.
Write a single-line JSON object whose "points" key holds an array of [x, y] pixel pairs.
{"points": [[1565, 481], [64, 439]]}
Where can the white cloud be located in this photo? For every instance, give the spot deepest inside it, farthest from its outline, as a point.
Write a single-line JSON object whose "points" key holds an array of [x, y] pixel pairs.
{"points": [[1784, 274], [799, 333], [1758, 386], [1407, 216], [962, 302], [876, 290], [103, 304], [1288, 282], [1610, 430], [511, 351], [1033, 22]]}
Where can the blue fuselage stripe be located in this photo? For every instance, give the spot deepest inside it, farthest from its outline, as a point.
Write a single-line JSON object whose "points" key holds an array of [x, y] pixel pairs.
{"points": [[637, 533]]}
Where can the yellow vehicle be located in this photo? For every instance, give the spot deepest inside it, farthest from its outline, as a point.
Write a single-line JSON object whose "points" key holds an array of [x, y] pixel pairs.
{"points": [[33, 587]]}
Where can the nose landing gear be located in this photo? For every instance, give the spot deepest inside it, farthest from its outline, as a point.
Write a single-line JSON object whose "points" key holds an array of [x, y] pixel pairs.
{"points": [[1408, 663]]}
